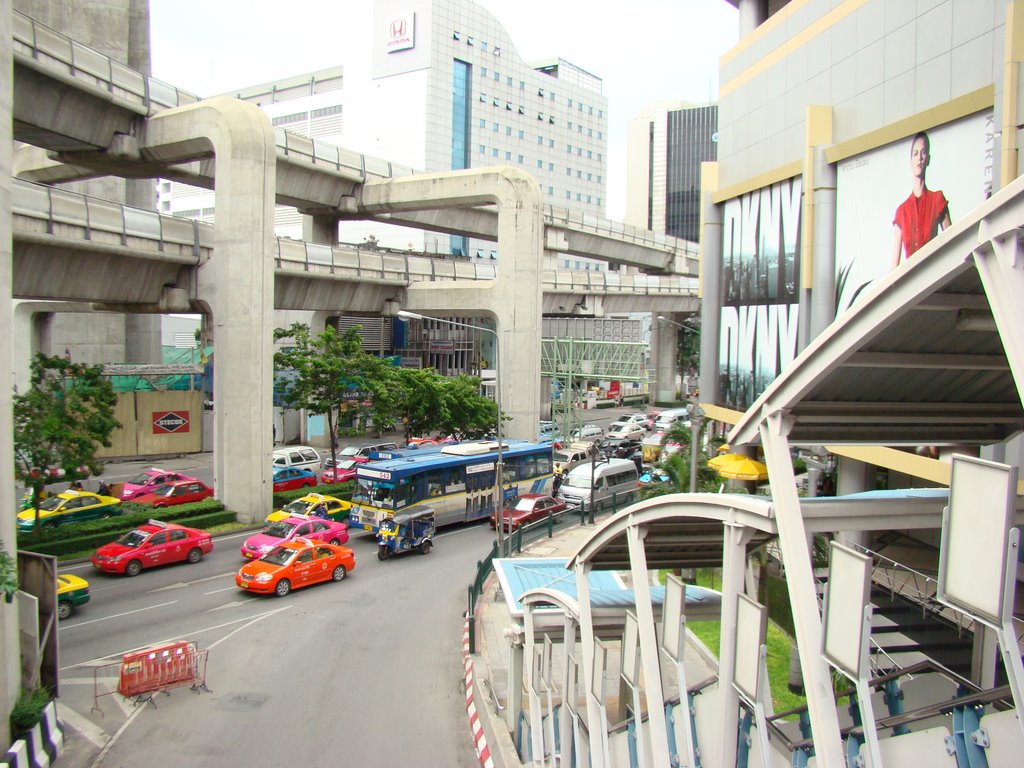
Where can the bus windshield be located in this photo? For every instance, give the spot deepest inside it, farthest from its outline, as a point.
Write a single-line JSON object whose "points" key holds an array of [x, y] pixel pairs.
{"points": [[376, 492]]}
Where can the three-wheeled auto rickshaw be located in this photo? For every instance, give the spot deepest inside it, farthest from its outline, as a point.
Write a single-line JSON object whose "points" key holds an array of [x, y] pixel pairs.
{"points": [[412, 529]]}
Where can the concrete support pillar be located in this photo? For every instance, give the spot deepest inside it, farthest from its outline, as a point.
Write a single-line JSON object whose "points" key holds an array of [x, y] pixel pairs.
{"points": [[752, 14], [710, 286], [664, 359], [853, 476], [822, 309], [320, 228], [237, 284], [513, 300], [10, 673]]}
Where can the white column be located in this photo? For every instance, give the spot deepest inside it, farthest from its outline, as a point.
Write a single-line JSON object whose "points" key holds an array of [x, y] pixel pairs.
{"points": [[734, 560], [803, 597], [650, 660], [597, 728]]}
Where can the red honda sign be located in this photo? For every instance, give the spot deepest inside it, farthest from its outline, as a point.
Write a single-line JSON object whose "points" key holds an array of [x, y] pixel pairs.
{"points": [[165, 422]]}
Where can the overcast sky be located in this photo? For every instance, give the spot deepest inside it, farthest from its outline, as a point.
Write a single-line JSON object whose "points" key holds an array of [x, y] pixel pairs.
{"points": [[643, 50]]}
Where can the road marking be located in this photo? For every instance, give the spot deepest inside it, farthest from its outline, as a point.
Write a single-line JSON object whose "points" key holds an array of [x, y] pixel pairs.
{"points": [[83, 725], [225, 589], [115, 616], [181, 584], [246, 626], [234, 604], [117, 655]]}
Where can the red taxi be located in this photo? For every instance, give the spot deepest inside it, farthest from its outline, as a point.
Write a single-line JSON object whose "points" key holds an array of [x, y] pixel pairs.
{"points": [[154, 543], [295, 564]]}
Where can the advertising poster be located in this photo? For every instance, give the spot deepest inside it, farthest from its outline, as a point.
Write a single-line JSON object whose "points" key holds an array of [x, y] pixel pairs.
{"points": [[893, 200], [760, 282]]}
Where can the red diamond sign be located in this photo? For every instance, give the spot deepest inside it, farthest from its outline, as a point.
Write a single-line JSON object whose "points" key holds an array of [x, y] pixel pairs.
{"points": [[165, 422]]}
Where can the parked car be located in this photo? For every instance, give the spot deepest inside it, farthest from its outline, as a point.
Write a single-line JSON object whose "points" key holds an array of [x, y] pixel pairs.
{"points": [[632, 418], [72, 591], [527, 508], [294, 564], [343, 471], [633, 432], [146, 481], [615, 447], [294, 527], [174, 493], [587, 432], [297, 456], [154, 543], [423, 442], [292, 478], [69, 507], [360, 450], [313, 505]]}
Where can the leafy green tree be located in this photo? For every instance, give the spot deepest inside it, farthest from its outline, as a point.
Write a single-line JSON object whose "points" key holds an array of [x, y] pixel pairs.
{"points": [[326, 373], [59, 423], [425, 401]]}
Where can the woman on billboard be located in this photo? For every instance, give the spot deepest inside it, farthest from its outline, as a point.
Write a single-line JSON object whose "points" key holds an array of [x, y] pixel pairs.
{"points": [[920, 217]]}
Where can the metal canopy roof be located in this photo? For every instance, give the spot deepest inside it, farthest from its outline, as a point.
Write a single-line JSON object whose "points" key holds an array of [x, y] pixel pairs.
{"points": [[919, 359]]}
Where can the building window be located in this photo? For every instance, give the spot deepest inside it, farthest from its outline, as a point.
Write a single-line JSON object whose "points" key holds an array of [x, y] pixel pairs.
{"points": [[497, 75], [483, 46], [599, 201], [588, 177], [551, 166], [551, 190], [508, 105], [579, 196], [540, 139], [470, 41], [482, 149], [461, 101], [496, 101], [551, 119], [483, 123], [569, 125], [579, 174], [599, 178], [600, 113], [551, 143], [551, 95], [522, 85], [522, 133], [508, 80], [579, 129], [483, 97], [579, 151], [568, 148], [570, 103], [568, 171], [590, 132], [494, 127], [588, 198], [580, 105], [540, 163], [497, 51], [483, 71], [508, 130], [540, 92], [568, 195], [600, 135], [520, 159], [508, 155], [456, 35], [540, 115], [590, 154], [600, 157], [494, 151]]}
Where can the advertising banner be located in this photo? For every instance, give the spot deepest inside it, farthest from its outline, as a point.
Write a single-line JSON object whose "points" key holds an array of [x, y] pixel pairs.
{"points": [[760, 281], [893, 200]]}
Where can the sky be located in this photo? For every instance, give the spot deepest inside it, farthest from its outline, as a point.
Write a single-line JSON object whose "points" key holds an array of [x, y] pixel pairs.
{"points": [[644, 50]]}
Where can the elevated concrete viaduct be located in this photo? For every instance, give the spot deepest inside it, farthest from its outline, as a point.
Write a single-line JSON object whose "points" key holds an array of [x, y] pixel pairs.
{"points": [[98, 117]]}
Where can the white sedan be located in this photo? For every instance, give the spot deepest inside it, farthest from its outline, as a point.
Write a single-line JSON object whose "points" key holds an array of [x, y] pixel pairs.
{"points": [[633, 418], [634, 432]]}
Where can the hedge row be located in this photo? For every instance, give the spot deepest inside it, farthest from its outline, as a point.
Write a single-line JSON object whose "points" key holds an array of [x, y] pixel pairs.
{"points": [[82, 543], [339, 491]]}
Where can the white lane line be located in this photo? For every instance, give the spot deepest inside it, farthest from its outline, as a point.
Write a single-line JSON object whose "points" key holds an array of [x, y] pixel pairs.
{"points": [[235, 604], [181, 584], [83, 725], [99, 660], [115, 616], [235, 631], [224, 589]]}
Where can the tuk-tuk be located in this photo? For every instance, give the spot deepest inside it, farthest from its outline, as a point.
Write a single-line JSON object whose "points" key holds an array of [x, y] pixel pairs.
{"points": [[412, 529]]}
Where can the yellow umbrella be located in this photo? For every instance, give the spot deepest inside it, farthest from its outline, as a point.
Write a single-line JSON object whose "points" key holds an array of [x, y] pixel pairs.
{"points": [[724, 460], [743, 468]]}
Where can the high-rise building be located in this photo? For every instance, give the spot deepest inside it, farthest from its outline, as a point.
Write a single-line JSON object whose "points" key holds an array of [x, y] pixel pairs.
{"points": [[438, 85], [668, 141]]}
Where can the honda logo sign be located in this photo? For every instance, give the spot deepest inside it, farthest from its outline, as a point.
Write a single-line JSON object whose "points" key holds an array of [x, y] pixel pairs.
{"points": [[400, 33]]}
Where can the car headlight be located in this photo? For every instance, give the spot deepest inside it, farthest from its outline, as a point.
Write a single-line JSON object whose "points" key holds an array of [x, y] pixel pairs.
{"points": [[263, 578]]}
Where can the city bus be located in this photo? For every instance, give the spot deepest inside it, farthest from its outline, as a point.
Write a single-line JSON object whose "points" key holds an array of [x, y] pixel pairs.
{"points": [[456, 480]]}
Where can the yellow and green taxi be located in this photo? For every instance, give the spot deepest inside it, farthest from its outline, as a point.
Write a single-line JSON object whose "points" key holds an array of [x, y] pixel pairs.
{"points": [[72, 591], [314, 505], [69, 507]]}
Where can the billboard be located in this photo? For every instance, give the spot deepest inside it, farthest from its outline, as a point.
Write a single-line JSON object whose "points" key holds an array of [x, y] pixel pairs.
{"points": [[760, 283], [892, 200]]}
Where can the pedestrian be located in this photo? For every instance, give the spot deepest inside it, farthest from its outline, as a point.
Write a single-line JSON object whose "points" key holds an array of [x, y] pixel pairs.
{"points": [[556, 483], [104, 489], [75, 486]]}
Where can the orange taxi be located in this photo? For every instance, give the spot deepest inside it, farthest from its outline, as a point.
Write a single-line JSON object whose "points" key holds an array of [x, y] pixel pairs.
{"points": [[294, 564]]}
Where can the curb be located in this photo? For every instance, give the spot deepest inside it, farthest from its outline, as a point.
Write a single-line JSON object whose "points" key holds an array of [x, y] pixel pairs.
{"points": [[477, 728]]}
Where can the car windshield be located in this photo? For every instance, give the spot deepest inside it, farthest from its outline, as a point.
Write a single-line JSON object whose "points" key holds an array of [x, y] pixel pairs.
{"points": [[577, 480], [51, 503], [519, 504], [141, 479], [347, 464], [297, 507], [278, 555], [280, 529], [351, 450], [165, 489], [561, 456], [133, 538]]}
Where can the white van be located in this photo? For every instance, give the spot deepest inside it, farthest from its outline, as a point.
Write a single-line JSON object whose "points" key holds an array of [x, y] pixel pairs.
{"points": [[671, 416], [297, 456], [614, 482]]}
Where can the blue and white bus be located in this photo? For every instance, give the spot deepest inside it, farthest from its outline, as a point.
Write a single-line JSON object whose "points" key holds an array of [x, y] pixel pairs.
{"points": [[457, 481]]}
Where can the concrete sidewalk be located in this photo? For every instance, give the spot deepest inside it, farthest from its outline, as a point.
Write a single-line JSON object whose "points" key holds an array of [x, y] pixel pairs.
{"points": [[490, 663]]}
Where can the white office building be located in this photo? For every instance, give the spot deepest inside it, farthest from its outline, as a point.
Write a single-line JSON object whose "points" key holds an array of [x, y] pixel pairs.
{"points": [[438, 85]]}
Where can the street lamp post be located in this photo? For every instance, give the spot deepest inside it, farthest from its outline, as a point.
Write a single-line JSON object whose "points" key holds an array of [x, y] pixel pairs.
{"points": [[696, 420], [500, 468]]}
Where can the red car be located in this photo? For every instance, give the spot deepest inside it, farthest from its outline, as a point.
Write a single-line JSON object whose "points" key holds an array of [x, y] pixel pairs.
{"points": [[344, 471], [178, 492], [145, 482], [528, 508], [154, 543], [292, 478]]}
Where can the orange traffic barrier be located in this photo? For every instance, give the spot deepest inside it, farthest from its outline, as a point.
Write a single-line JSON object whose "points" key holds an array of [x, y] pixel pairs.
{"points": [[162, 667]]}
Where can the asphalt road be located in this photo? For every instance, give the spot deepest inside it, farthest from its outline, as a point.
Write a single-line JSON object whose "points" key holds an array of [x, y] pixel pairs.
{"points": [[367, 671]]}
